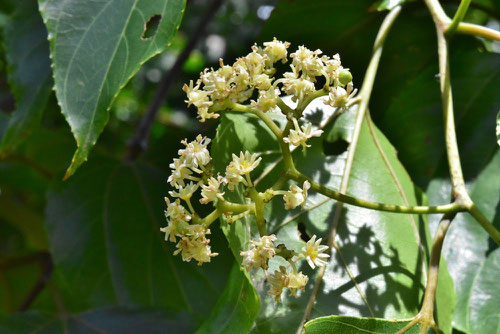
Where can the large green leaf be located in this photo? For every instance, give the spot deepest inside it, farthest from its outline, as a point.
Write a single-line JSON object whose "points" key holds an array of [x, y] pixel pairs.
{"points": [[27, 53], [467, 246], [103, 321], [96, 47], [104, 230], [351, 325], [380, 249], [237, 307], [484, 310]]}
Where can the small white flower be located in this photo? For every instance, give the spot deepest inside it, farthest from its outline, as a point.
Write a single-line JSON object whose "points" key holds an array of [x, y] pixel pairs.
{"points": [[175, 214], [259, 252], [338, 96], [194, 245], [297, 86], [278, 282], [300, 135], [245, 163], [211, 191], [196, 152], [296, 281], [276, 50], [232, 178], [296, 196], [196, 97], [267, 100], [255, 62], [313, 253], [186, 192], [179, 172], [308, 62], [175, 211]]}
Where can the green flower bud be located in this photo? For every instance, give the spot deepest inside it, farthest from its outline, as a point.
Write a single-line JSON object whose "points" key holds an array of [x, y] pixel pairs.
{"points": [[345, 77]]}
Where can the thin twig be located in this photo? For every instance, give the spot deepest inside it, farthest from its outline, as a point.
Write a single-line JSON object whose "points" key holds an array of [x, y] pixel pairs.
{"points": [[47, 267], [138, 143]]}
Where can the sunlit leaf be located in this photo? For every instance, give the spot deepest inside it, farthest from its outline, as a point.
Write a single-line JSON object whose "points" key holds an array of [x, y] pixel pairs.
{"points": [[352, 325], [96, 47]]}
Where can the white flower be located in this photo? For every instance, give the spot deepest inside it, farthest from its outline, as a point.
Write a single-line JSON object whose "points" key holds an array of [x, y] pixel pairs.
{"points": [[297, 86], [259, 252], [175, 214], [196, 152], [179, 172], [338, 96], [211, 191], [296, 196], [186, 192], [244, 164], [194, 245], [196, 97], [296, 281], [262, 82], [300, 135], [200, 99], [308, 62], [267, 100], [175, 211], [255, 62], [232, 178], [313, 252], [278, 282], [276, 50]]}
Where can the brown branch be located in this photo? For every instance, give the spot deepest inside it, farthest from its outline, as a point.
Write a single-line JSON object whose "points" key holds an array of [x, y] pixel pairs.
{"points": [[47, 268], [139, 141]]}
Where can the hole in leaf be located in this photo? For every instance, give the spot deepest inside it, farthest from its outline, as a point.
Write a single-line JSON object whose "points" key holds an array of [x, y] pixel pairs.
{"points": [[151, 27], [302, 230], [336, 148]]}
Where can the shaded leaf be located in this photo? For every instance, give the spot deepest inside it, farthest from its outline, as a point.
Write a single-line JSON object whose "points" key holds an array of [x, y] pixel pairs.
{"points": [[27, 53], [104, 321], [352, 325], [237, 307], [104, 230], [96, 47]]}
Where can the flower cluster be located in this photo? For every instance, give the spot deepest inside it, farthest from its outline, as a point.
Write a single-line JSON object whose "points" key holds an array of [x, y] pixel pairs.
{"points": [[262, 250], [251, 85], [221, 89]]}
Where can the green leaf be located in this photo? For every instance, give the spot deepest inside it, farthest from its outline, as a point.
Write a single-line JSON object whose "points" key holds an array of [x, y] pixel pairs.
{"points": [[467, 246], [104, 230], [105, 321], [96, 47], [484, 310], [352, 325], [380, 249], [237, 307], [27, 53]]}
